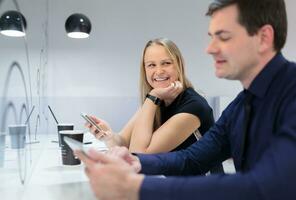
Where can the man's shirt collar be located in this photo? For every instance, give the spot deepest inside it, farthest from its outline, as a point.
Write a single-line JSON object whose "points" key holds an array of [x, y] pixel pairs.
{"points": [[262, 81]]}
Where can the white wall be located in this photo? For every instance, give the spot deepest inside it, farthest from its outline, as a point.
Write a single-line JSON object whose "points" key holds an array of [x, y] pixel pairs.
{"points": [[106, 66], [108, 62], [289, 50], [94, 74]]}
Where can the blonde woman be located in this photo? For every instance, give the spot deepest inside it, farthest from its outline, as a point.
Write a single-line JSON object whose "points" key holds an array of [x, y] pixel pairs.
{"points": [[172, 116]]}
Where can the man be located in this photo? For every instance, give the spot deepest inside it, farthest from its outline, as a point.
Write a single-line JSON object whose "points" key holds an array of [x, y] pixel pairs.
{"points": [[257, 129]]}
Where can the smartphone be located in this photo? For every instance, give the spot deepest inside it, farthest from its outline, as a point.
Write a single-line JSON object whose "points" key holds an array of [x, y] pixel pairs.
{"points": [[89, 120], [75, 145]]}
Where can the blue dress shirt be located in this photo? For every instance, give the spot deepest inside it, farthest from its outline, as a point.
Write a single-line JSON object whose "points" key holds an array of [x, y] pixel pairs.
{"points": [[269, 169]]}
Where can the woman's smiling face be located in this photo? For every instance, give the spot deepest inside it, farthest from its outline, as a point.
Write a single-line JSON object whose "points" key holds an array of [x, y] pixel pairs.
{"points": [[159, 67]]}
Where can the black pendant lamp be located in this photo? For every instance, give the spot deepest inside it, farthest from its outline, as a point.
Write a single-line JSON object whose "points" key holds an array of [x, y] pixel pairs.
{"points": [[78, 26], [13, 23]]}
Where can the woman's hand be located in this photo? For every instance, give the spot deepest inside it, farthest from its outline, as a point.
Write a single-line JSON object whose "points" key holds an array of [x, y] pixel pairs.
{"points": [[104, 133], [168, 94]]}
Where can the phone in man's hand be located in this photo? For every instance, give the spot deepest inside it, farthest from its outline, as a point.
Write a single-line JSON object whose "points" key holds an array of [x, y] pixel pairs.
{"points": [[75, 145]]}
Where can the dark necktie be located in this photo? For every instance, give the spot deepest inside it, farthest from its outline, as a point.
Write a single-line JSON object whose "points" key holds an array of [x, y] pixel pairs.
{"points": [[246, 125]]}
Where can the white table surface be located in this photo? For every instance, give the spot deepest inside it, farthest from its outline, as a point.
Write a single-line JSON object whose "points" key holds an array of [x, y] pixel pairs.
{"points": [[46, 179]]}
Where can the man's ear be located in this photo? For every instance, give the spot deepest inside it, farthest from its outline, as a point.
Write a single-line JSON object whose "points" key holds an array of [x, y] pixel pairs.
{"points": [[266, 38]]}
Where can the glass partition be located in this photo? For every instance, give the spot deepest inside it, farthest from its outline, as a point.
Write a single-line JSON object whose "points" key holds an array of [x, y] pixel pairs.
{"points": [[23, 102]]}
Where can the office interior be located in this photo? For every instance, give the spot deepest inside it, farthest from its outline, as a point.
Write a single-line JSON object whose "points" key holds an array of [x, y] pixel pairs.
{"points": [[98, 75]]}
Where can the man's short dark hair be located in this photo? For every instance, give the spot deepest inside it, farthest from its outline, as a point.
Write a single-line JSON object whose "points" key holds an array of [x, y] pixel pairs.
{"points": [[253, 14]]}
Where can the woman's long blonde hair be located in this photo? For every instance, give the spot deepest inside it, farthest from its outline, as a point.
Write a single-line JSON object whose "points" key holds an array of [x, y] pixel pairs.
{"points": [[178, 61]]}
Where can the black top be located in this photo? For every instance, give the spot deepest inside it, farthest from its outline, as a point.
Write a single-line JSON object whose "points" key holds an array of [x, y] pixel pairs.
{"points": [[189, 101]]}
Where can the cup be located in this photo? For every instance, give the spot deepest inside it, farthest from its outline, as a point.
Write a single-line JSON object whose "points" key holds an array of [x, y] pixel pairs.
{"points": [[17, 135], [63, 127], [2, 148], [68, 157]]}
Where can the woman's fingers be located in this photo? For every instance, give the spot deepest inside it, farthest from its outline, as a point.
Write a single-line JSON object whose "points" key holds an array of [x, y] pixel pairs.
{"points": [[169, 93], [102, 135], [94, 118], [103, 127], [175, 88]]}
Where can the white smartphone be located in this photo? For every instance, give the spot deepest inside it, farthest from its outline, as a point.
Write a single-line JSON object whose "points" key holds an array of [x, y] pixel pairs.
{"points": [[75, 145], [89, 120]]}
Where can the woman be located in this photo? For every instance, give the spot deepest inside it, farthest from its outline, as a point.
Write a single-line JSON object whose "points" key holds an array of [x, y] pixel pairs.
{"points": [[172, 116]]}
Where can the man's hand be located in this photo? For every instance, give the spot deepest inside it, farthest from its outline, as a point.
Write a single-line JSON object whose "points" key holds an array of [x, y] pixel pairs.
{"points": [[110, 176], [122, 152]]}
